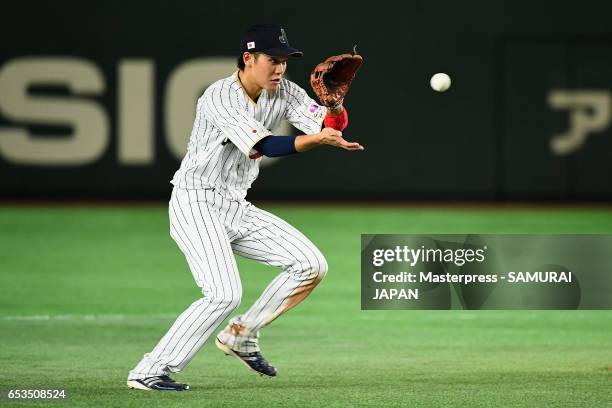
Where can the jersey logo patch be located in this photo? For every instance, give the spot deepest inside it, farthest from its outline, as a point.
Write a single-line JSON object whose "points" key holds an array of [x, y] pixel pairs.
{"points": [[315, 111]]}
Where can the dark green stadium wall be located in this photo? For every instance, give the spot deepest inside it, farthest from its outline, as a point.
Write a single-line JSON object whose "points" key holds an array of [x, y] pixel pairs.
{"points": [[523, 73]]}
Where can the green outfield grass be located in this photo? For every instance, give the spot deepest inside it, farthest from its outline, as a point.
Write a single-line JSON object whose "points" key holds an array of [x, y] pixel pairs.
{"points": [[84, 292]]}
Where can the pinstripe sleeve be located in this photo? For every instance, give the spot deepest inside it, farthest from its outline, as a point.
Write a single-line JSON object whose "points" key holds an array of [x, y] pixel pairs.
{"points": [[302, 111], [234, 121]]}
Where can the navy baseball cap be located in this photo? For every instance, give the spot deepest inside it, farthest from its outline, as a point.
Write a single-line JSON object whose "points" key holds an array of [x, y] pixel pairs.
{"points": [[270, 39]]}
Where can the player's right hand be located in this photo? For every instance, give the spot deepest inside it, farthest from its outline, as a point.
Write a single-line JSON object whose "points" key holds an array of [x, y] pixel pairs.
{"points": [[333, 137]]}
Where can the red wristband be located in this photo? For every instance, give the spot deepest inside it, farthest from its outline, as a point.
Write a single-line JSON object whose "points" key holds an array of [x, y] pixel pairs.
{"points": [[338, 122]]}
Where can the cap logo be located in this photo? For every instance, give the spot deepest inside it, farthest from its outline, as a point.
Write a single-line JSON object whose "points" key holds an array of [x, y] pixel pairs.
{"points": [[251, 45], [283, 37]]}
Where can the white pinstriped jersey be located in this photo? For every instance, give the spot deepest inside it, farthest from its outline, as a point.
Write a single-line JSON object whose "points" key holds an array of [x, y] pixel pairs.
{"points": [[228, 124]]}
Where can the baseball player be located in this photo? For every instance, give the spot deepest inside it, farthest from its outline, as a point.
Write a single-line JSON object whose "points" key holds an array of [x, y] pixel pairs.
{"points": [[210, 219]]}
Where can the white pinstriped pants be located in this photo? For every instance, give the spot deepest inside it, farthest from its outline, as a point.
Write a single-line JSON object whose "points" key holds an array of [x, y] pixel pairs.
{"points": [[209, 229]]}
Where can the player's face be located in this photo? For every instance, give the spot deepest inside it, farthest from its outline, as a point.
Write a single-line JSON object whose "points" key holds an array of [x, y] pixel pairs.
{"points": [[268, 71]]}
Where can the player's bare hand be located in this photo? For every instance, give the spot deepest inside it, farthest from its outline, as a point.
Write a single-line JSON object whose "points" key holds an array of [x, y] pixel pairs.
{"points": [[333, 137]]}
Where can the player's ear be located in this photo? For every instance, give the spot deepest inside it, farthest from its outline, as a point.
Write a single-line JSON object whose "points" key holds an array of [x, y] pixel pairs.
{"points": [[249, 59]]}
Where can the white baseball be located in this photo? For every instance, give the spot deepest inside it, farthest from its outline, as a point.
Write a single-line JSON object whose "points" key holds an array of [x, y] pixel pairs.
{"points": [[440, 82]]}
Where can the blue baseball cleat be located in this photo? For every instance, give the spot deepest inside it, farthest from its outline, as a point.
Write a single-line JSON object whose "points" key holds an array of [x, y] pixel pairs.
{"points": [[158, 383], [253, 360]]}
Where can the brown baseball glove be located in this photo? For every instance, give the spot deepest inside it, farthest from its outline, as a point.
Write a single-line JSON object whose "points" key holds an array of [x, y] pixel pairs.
{"points": [[332, 78]]}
